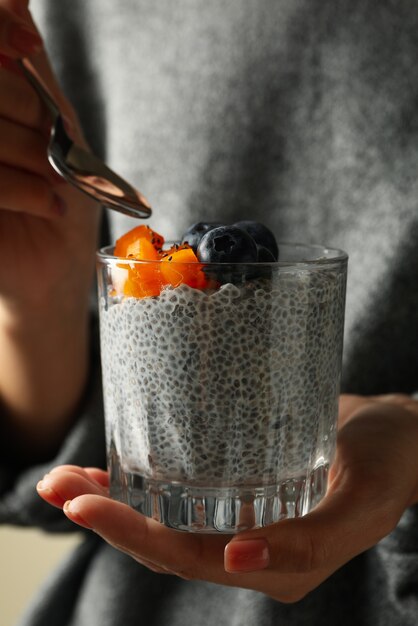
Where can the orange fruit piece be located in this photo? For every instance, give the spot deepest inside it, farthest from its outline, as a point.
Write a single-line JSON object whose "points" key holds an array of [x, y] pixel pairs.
{"points": [[182, 266], [129, 244], [143, 279], [177, 265], [174, 248]]}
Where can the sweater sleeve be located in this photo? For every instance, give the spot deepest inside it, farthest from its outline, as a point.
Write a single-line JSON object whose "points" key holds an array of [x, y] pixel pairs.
{"points": [[84, 445]]}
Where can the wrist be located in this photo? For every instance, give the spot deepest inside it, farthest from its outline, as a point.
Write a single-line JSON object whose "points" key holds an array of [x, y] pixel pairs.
{"points": [[43, 372]]}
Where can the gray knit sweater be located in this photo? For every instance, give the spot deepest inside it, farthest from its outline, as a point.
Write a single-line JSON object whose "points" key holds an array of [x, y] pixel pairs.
{"points": [[302, 114]]}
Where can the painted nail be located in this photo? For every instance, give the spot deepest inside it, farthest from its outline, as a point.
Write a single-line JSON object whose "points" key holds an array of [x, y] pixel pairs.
{"points": [[247, 555], [74, 516], [23, 39]]}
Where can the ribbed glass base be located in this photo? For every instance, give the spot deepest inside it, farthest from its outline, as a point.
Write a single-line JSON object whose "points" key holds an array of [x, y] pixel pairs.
{"points": [[217, 510]]}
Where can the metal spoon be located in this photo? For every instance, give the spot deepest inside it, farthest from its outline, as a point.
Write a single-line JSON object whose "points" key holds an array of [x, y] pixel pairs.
{"points": [[81, 168]]}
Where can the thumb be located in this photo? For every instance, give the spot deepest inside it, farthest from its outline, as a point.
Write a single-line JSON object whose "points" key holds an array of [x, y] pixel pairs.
{"points": [[346, 523]]}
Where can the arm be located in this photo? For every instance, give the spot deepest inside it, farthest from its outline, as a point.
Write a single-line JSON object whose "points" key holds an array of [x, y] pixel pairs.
{"points": [[48, 234]]}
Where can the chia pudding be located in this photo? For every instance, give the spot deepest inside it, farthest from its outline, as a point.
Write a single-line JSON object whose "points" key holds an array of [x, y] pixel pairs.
{"points": [[234, 387]]}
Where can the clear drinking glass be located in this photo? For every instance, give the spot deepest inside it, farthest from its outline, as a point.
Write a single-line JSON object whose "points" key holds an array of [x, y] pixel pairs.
{"points": [[221, 403]]}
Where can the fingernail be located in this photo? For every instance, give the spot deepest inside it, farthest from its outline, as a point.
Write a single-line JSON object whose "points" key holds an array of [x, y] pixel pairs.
{"points": [[74, 516], [47, 492], [43, 484], [247, 555], [58, 206], [23, 39]]}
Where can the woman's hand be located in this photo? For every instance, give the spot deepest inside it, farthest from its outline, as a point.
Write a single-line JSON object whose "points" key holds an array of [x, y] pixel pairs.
{"points": [[48, 234], [373, 480]]}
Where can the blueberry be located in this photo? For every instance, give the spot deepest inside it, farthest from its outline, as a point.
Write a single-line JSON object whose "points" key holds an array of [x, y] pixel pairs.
{"points": [[194, 233], [264, 255], [227, 244], [261, 235]]}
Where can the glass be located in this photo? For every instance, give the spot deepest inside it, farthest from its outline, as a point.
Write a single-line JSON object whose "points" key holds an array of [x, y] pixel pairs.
{"points": [[221, 404]]}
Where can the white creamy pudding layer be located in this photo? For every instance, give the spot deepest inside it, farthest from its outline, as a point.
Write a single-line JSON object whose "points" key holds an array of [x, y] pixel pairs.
{"points": [[236, 386]]}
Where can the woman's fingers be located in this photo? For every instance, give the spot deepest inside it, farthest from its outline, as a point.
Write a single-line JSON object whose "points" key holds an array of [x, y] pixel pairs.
{"points": [[65, 484], [184, 554], [19, 7], [24, 149], [27, 180], [338, 529], [17, 37], [281, 563], [19, 102], [98, 475], [23, 192], [141, 537], [93, 473], [373, 480]]}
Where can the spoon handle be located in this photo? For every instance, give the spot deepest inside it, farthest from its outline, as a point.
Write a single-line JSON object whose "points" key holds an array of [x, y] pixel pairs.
{"points": [[39, 85], [79, 166]]}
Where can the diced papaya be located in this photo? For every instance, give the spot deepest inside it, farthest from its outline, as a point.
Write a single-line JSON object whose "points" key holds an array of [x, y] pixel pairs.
{"points": [[143, 279], [174, 248], [143, 250], [182, 266], [126, 246], [177, 264]]}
